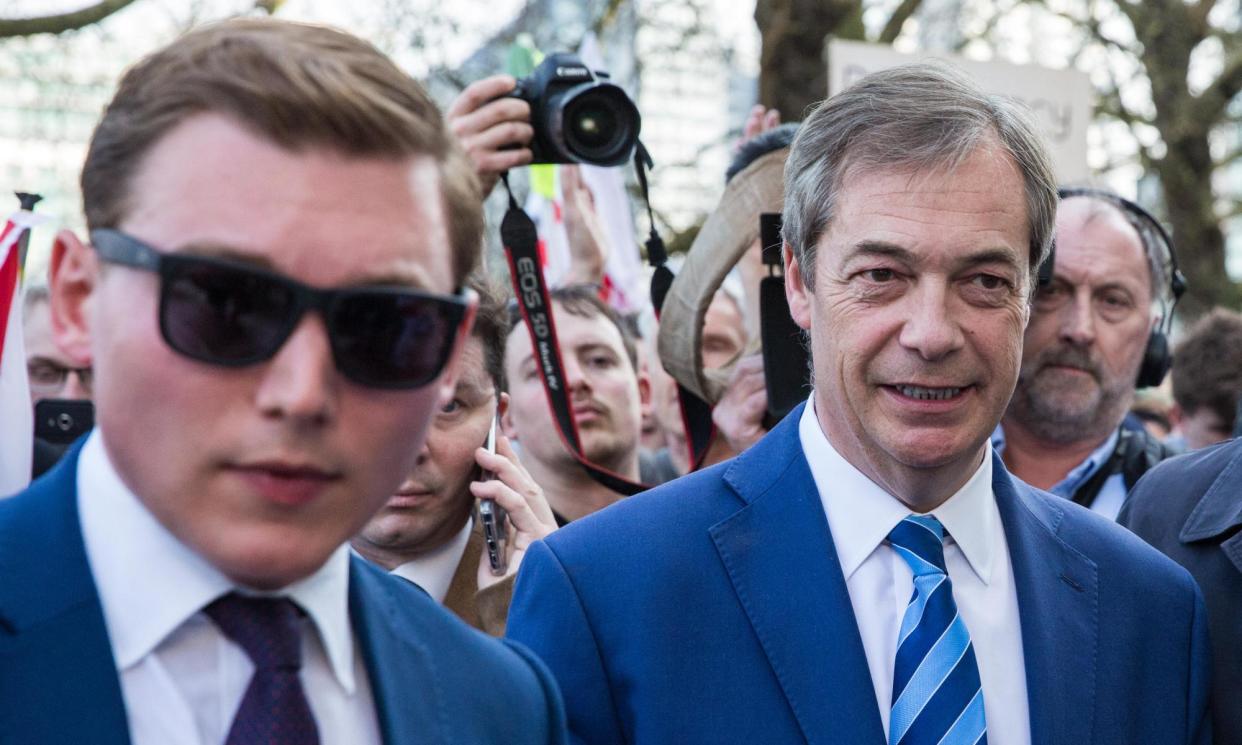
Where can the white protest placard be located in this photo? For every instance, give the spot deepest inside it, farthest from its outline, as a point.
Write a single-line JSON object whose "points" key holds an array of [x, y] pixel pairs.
{"points": [[1061, 100]]}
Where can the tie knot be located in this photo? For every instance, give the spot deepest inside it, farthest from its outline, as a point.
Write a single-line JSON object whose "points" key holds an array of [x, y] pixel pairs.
{"points": [[268, 629], [919, 539]]}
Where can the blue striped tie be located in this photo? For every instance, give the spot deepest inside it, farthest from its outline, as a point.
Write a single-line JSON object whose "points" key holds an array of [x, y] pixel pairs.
{"points": [[937, 698]]}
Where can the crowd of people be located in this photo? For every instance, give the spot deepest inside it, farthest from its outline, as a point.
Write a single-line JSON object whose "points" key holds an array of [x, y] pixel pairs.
{"points": [[306, 384]]}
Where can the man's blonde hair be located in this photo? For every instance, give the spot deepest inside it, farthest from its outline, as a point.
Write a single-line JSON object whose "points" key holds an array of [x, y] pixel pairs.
{"points": [[297, 85]]}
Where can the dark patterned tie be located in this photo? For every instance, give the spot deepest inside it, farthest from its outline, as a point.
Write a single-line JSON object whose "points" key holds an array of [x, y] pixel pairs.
{"points": [[274, 709]]}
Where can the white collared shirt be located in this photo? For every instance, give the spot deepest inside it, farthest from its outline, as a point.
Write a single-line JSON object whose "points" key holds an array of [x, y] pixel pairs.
{"points": [[434, 570], [182, 680], [880, 583], [1112, 494]]}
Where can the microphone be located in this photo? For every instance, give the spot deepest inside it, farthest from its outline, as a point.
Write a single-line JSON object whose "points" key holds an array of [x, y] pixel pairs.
{"points": [[786, 362]]}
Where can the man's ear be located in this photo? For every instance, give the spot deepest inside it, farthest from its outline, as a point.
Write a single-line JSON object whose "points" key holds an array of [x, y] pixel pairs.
{"points": [[646, 406], [447, 383], [644, 389], [504, 411], [1176, 417], [502, 406], [507, 426], [796, 291], [72, 280]]}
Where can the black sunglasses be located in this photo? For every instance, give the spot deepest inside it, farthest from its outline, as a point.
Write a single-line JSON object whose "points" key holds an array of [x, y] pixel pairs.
{"points": [[227, 313]]}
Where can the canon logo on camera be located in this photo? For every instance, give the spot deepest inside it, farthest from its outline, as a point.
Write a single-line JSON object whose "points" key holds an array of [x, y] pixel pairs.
{"points": [[573, 72]]}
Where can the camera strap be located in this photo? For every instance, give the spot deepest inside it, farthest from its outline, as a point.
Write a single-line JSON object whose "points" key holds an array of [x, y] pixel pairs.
{"points": [[696, 414], [521, 243]]}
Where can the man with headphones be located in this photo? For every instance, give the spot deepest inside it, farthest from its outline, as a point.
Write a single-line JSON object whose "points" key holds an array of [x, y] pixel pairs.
{"points": [[1097, 332]]}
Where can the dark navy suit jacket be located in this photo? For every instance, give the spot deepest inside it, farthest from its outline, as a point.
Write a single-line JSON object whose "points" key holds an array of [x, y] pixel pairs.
{"points": [[434, 679], [713, 609], [1191, 509]]}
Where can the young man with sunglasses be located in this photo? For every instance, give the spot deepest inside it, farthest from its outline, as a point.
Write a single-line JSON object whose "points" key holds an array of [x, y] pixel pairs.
{"points": [[270, 298]]}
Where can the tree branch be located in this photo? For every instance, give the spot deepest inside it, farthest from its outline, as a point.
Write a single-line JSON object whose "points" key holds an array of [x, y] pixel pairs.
{"points": [[60, 22], [607, 16], [1235, 210], [1199, 13], [1215, 98], [989, 26], [1231, 157], [1109, 103], [898, 19], [1142, 152], [1113, 165], [1093, 27]]}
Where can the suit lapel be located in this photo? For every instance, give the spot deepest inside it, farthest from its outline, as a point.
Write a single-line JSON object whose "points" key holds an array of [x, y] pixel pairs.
{"points": [[1058, 592], [54, 646], [1219, 511], [781, 560], [408, 700], [462, 594]]}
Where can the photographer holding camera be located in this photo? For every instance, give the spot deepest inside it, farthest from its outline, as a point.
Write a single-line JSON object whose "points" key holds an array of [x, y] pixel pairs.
{"points": [[493, 127], [564, 112]]}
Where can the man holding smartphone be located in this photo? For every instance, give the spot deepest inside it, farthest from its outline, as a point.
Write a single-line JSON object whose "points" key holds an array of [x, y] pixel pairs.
{"points": [[52, 375], [60, 389], [271, 297], [427, 532]]}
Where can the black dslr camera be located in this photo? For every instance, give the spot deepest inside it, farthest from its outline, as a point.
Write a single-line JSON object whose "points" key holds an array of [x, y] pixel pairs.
{"points": [[578, 116]]}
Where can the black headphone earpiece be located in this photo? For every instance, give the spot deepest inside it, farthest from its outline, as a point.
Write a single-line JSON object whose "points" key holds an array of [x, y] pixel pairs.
{"points": [[1157, 358], [1177, 282], [1043, 276]]}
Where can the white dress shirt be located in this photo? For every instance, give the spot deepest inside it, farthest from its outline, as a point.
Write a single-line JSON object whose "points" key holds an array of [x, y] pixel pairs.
{"points": [[880, 583], [183, 680], [1112, 494], [434, 570]]}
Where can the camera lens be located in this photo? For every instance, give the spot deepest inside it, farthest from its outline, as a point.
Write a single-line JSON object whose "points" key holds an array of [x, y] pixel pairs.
{"points": [[600, 125], [593, 126]]}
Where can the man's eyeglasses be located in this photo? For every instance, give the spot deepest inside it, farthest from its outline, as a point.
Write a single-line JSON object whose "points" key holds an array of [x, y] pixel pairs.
{"points": [[227, 313], [48, 377]]}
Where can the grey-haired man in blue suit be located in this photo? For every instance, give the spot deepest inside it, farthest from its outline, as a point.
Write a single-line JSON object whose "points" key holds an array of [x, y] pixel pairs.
{"points": [[869, 573]]}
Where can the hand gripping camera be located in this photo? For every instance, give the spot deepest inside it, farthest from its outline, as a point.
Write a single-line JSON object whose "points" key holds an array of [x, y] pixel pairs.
{"points": [[578, 116]]}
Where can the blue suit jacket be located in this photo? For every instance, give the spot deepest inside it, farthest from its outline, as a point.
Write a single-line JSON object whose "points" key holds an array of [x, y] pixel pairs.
{"points": [[1190, 508], [434, 679], [714, 609]]}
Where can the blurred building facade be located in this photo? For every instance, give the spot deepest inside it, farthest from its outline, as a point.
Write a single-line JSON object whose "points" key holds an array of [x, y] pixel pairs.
{"points": [[49, 104]]}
